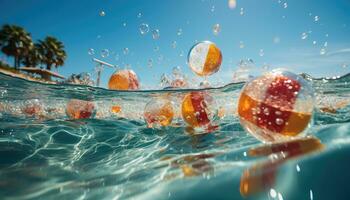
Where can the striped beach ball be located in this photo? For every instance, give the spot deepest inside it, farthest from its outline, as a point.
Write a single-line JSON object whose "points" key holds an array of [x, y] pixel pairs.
{"points": [[276, 106], [158, 112], [198, 110], [80, 109], [204, 58]]}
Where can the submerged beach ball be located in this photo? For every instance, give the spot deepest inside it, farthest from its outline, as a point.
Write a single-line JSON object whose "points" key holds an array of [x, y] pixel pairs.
{"points": [[179, 83], [204, 58], [276, 106], [32, 107], [158, 112], [123, 80], [198, 109], [80, 109]]}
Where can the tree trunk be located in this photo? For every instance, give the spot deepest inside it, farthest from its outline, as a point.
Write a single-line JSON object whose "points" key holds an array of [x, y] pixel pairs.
{"points": [[18, 62], [15, 62]]}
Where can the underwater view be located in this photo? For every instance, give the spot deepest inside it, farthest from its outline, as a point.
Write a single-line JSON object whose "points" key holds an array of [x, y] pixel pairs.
{"points": [[203, 99]]}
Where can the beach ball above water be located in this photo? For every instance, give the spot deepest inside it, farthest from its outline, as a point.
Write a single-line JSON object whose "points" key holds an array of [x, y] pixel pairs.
{"points": [[80, 109], [276, 106], [124, 80], [198, 109], [204, 58], [158, 112]]}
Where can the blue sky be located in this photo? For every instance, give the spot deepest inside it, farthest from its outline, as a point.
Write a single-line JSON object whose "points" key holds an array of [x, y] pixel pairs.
{"points": [[272, 25]]}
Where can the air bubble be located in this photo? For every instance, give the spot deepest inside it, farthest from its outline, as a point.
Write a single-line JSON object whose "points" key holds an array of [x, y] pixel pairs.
{"points": [[279, 121], [174, 44], [241, 44], [102, 13], [91, 51], [241, 11], [216, 29], [144, 28], [304, 36], [261, 52], [316, 18], [126, 50], [104, 53], [179, 32], [285, 5], [155, 34]]}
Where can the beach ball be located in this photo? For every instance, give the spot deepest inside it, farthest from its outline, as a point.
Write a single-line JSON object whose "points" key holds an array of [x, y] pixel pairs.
{"points": [[198, 109], [158, 112], [179, 83], [204, 58], [276, 106], [32, 107], [123, 80], [80, 109]]}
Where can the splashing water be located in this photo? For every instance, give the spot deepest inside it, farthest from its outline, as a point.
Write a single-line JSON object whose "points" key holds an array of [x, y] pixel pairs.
{"points": [[114, 155]]}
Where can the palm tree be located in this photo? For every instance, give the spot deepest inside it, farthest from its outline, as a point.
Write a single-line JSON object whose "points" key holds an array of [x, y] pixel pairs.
{"points": [[33, 58], [52, 52], [16, 42]]}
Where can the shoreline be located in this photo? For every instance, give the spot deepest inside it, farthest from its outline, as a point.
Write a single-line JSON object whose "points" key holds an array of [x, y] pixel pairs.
{"points": [[19, 74]]}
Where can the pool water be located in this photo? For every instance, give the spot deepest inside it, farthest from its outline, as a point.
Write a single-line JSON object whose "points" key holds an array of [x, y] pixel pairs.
{"points": [[115, 155]]}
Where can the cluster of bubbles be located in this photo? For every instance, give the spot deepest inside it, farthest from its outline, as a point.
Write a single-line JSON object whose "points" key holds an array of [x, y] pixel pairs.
{"points": [[80, 79]]}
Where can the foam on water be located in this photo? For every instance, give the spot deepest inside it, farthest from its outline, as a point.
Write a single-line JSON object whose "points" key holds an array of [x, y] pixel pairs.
{"points": [[115, 156]]}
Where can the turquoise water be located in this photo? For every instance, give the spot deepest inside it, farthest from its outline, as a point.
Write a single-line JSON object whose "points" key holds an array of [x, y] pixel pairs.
{"points": [[118, 157]]}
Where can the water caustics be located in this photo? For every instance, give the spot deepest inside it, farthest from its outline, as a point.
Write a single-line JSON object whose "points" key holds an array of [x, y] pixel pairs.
{"points": [[110, 153]]}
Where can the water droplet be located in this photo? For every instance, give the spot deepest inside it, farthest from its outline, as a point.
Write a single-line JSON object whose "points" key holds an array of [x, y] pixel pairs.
{"points": [[144, 28], [155, 34], [104, 53], [150, 62], [116, 57], [241, 11], [323, 51], [179, 32], [285, 5], [232, 4], [176, 70], [273, 193], [126, 50], [316, 18], [181, 53], [156, 48], [344, 65], [241, 44], [102, 13], [314, 42], [173, 44], [325, 44], [311, 195], [216, 29], [261, 52], [279, 121], [278, 112], [266, 111], [304, 36], [124, 24], [139, 15], [276, 40], [297, 168], [212, 9], [91, 51]]}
